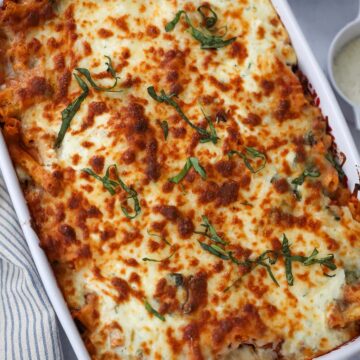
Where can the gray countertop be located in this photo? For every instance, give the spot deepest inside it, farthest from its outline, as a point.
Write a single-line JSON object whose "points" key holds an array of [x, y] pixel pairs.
{"points": [[320, 21]]}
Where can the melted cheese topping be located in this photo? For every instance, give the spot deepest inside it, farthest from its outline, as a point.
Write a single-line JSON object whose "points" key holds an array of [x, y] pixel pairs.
{"points": [[97, 253]]}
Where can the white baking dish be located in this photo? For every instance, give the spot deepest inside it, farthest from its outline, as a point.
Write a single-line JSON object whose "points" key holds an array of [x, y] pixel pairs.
{"points": [[330, 108]]}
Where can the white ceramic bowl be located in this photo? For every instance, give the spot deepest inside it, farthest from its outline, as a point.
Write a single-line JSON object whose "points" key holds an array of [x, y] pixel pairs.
{"points": [[343, 37]]}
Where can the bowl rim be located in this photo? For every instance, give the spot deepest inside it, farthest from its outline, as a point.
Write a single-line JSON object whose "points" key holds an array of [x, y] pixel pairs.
{"points": [[332, 54]]}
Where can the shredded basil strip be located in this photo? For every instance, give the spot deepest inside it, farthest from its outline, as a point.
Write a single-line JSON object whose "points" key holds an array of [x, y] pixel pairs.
{"points": [[310, 172], [207, 41], [333, 161], [210, 231], [68, 114], [161, 260], [270, 257], [215, 250], [111, 185], [165, 128], [160, 237], [327, 261], [209, 21], [110, 69], [190, 162], [171, 25], [250, 151], [168, 99], [213, 135], [288, 261], [151, 310]]}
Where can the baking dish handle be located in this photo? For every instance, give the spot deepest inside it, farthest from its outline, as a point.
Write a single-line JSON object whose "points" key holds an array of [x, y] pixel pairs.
{"points": [[357, 116]]}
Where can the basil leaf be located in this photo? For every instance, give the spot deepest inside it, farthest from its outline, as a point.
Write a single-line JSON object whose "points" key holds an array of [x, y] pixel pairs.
{"points": [[288, 260], [176, 179], [111, 186], [210, 231], [252, 264], [110, 69], [327, 261], [68, 114], [250, 151], [137, 208], [151, 310], [215, 250], [207, 41], [159, 236], [155, 260], [168, 99], [209, 21], [213, 135], [269, 271], [261, 261], [197, 167], [165, 128], [190, 162], [333, 161], [171, 25], [310, 172]]}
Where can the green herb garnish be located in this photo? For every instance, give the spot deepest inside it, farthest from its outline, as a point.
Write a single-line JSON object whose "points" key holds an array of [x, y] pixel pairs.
{"points": [[109, 69], [209, 21], [213, 135], [206, 40], [161, 260], [190, 162], [160, 237], [269, 258], [215, 250], [288, 260], [210, 231], [68, 114], [310, 172], [111, 185], [168, 99], [165, 128], [250, 151], [334, 162], [327, 261], [151, 310]]}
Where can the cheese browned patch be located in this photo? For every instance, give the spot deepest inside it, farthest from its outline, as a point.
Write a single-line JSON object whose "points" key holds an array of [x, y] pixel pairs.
{"points": [[181, 178]]}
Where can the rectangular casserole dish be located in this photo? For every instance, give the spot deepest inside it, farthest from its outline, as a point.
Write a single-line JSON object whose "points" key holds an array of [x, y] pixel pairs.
{"points": [[330, 109]]}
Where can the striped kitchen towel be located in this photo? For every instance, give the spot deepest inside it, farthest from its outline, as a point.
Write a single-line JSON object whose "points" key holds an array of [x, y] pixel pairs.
{"points": [[28, 324]]}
